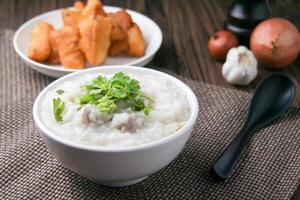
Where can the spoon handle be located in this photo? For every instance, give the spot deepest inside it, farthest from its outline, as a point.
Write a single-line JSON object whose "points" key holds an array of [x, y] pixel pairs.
{"points": [[225, 164]]}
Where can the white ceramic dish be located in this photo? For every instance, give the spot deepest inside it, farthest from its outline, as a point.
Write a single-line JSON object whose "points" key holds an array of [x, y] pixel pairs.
{"points": [[116, 166], [149, 28]]}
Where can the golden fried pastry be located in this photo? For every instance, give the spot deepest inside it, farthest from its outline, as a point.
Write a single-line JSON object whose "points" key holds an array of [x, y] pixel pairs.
{"points": [[93, 8], [118, 47], [136, 43], [54, 56], [78, 6], [117, 33], [66, 41], [88, 33], [39, 46], [94, 42], [123, 19], [71, 17]]}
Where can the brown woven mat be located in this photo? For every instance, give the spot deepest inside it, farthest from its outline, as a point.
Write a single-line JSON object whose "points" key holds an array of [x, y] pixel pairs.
{"points": [[270, 168]]}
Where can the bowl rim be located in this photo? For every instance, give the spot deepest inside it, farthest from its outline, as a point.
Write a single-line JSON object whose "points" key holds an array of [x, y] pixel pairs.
{"points": [[192, 99], [17, 34]]}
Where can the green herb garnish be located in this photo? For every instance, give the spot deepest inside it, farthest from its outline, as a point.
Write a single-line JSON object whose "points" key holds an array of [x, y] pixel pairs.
{"points": [[60, 91], [108, 94], [58, 109]]}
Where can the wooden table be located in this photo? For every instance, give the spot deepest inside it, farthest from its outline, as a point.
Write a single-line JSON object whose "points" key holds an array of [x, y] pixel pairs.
{"points": [[186, 26]]}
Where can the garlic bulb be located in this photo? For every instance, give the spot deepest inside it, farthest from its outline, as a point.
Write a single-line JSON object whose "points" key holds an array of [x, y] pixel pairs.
{"points": [[240, 67]]}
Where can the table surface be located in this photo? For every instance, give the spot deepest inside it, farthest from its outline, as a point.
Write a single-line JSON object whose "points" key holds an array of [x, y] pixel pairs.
{"points": [[186, 25]]}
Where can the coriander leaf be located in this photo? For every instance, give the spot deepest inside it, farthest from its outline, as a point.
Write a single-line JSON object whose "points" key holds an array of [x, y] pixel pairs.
{"points": [[99, 85], [134, 85], [87, 99], [79, 108], [60, 91], [137, 103], [110, 95], [147, 109], [58, 109], [117, 93], [106, 105]]}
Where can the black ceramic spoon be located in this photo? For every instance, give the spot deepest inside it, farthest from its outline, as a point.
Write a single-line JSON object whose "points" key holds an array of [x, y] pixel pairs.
{"points": [[271, 98]]}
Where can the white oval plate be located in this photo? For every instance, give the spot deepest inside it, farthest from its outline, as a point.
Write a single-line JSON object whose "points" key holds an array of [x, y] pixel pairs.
{"points": [[150, 30]]}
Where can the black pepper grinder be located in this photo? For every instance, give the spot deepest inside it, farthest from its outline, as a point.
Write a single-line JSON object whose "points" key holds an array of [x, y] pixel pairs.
{"points": [[244, 15]]}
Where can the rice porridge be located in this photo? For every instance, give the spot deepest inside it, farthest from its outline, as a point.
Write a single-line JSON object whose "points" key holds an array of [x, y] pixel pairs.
{"points": [[113, 110]]}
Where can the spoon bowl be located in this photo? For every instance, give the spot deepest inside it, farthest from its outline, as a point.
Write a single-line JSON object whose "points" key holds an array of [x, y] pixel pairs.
{"points": [[271, 99]]}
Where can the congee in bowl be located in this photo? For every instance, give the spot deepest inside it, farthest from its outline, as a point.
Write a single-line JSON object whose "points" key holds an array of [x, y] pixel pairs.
{"points": [[115, 109], [116, 125]]}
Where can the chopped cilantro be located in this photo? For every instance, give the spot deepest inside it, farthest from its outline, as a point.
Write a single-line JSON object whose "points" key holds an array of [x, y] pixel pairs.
{"points": [[60, 91], [107, 94], [58, 108]]}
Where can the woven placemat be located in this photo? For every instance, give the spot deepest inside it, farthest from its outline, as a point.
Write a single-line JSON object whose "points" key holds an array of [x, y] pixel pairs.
{"points": [[270, 168]]}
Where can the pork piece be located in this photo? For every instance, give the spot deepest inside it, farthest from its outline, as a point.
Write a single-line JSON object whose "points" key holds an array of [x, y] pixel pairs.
{"points": [[85, 117], [91, 114], [126, 122]]}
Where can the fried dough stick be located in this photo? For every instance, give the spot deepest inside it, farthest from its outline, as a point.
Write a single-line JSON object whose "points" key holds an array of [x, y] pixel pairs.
{"points": [[39, 46], [71, 17], [136, 42], [123, 19], [118, 47], [66, 41], [93, 8], [94, 42], [79, 6], [54, 56], [133, 44], [117, 33]]}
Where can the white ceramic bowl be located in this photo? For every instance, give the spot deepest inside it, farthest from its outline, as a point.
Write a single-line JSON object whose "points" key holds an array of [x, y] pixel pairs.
{"points": [[116, 166], [150, 30]]}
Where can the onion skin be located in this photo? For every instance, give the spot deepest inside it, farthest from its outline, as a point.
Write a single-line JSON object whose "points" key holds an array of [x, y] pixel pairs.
{"points": [[275, 43], [220, 43]]}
